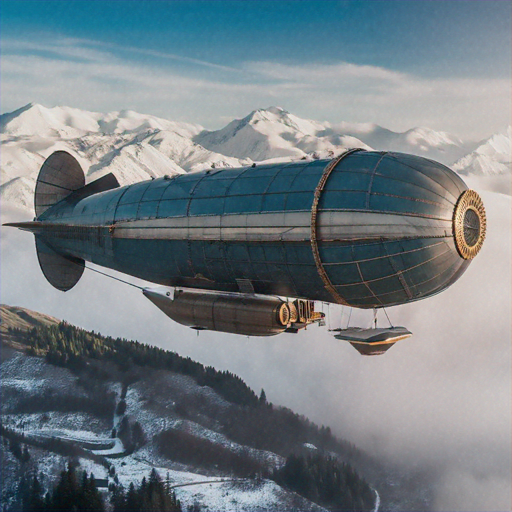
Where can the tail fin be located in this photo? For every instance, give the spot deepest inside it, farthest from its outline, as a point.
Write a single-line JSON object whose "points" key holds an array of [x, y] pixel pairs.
{"points": [[60, 175], [62, 272]]}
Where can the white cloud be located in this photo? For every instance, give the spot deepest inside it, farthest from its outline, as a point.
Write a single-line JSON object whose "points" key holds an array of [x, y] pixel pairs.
{"points": [[93, 76], [467, 107]]}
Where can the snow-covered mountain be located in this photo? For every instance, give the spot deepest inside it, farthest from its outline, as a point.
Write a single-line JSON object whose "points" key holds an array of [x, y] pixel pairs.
{"points": [[492, 157], [421, 141], [137, 146], [70, 123], [275, 133]]}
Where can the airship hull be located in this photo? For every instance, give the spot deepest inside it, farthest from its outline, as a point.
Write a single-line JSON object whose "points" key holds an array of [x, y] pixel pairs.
{"points": [[369, 229]]}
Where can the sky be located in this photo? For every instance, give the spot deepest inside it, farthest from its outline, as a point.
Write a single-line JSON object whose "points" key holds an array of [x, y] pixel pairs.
{"points": [[441, 64], [440, 399]]}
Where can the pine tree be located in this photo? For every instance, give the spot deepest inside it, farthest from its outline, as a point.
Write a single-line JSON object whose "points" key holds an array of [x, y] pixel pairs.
{"points": [[95, 502], [132, 502], [25, 456], [35, 500]]}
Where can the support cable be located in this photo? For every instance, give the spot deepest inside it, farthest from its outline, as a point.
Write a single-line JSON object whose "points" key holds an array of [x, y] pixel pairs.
{"points": [[112, 277], [386, 313], [349, 317]]}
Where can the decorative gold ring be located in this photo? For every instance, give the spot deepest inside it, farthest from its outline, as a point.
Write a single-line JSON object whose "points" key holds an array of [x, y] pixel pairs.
{"points": [[469, 224]]}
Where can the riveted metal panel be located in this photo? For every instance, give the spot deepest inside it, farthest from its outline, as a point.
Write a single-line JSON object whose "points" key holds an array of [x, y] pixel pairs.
{"points": [[179, 188], [274, 202], [148, 209], [126, 211], [350, 181], [172, 208], [155, 189], [360, 162], [385, 185], [342, 200], [242, 204], [394, 168], [410, 206], [297, 201], [249, 185], [384, 228], [134, 193], [213, 187], [204, 206]]}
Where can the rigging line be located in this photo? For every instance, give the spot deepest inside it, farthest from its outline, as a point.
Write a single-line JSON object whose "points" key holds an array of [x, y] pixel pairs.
{"points": [[112, 277], [386, 313], [349, 317]]}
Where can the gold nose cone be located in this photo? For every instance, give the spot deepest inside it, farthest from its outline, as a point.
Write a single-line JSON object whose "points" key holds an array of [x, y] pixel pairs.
{"points": [[469, 224]]}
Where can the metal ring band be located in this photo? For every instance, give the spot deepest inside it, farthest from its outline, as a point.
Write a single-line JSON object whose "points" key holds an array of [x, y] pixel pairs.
{"points": [[468, 200], [314, 217]]}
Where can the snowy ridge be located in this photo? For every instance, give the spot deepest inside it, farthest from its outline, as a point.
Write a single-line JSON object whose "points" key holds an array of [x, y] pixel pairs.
{"points": [[137, 147], [492, 157], [274, 133], [70, 123]]}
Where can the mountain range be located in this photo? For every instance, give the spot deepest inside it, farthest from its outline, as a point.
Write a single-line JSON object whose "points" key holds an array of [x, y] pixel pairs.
{"points": [[138, 146]]}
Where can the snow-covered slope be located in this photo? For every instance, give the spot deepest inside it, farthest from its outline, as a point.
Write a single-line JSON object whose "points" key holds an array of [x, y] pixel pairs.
{"points": [[421, 141], [135, 162], [492, 157], [138, 146], [274, 133], [69, 123], [189, 155]]}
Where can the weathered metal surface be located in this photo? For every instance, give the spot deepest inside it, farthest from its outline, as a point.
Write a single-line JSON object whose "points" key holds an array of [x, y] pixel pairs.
{"points": [[383, 228], [237, 313], [314, 226]]}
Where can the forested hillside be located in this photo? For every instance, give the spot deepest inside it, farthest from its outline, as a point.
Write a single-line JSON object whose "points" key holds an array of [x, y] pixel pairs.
{"points": [[122, 409]]}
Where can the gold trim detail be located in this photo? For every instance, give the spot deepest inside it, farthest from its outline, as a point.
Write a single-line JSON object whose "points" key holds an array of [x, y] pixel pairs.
{"points": [[468, 200], [283, 314], [389, 341], [314, 217]]}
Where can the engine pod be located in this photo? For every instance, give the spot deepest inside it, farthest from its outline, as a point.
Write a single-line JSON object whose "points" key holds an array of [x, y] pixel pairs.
{"points": [[235, 313]]}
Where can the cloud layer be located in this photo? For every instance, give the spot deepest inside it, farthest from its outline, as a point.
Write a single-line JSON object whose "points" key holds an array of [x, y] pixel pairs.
{"points": [[94, 76]]}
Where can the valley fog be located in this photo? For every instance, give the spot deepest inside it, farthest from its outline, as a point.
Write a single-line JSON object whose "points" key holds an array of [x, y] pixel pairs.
{"points": [[438, 400]]}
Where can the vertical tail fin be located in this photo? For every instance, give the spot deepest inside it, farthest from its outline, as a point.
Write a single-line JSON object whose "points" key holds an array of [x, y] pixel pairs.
{"points": [[60, 175], [62, 272]]}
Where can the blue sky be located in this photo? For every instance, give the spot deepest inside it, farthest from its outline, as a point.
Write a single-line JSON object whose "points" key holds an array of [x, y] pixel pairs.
{"points": [[443, 64]]}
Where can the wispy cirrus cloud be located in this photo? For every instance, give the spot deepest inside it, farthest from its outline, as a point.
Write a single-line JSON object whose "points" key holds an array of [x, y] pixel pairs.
{"points": [[103, 76]]}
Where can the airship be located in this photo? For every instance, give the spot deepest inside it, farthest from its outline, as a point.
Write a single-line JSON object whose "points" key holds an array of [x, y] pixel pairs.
{"points": [[251, 250]]}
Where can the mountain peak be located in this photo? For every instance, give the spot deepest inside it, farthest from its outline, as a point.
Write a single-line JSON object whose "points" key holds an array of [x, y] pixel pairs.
{"points": [[491, 157], [276, 110]]}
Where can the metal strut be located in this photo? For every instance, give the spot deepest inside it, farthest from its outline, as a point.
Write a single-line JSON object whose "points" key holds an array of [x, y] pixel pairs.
{"points": [[314, 217]]}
